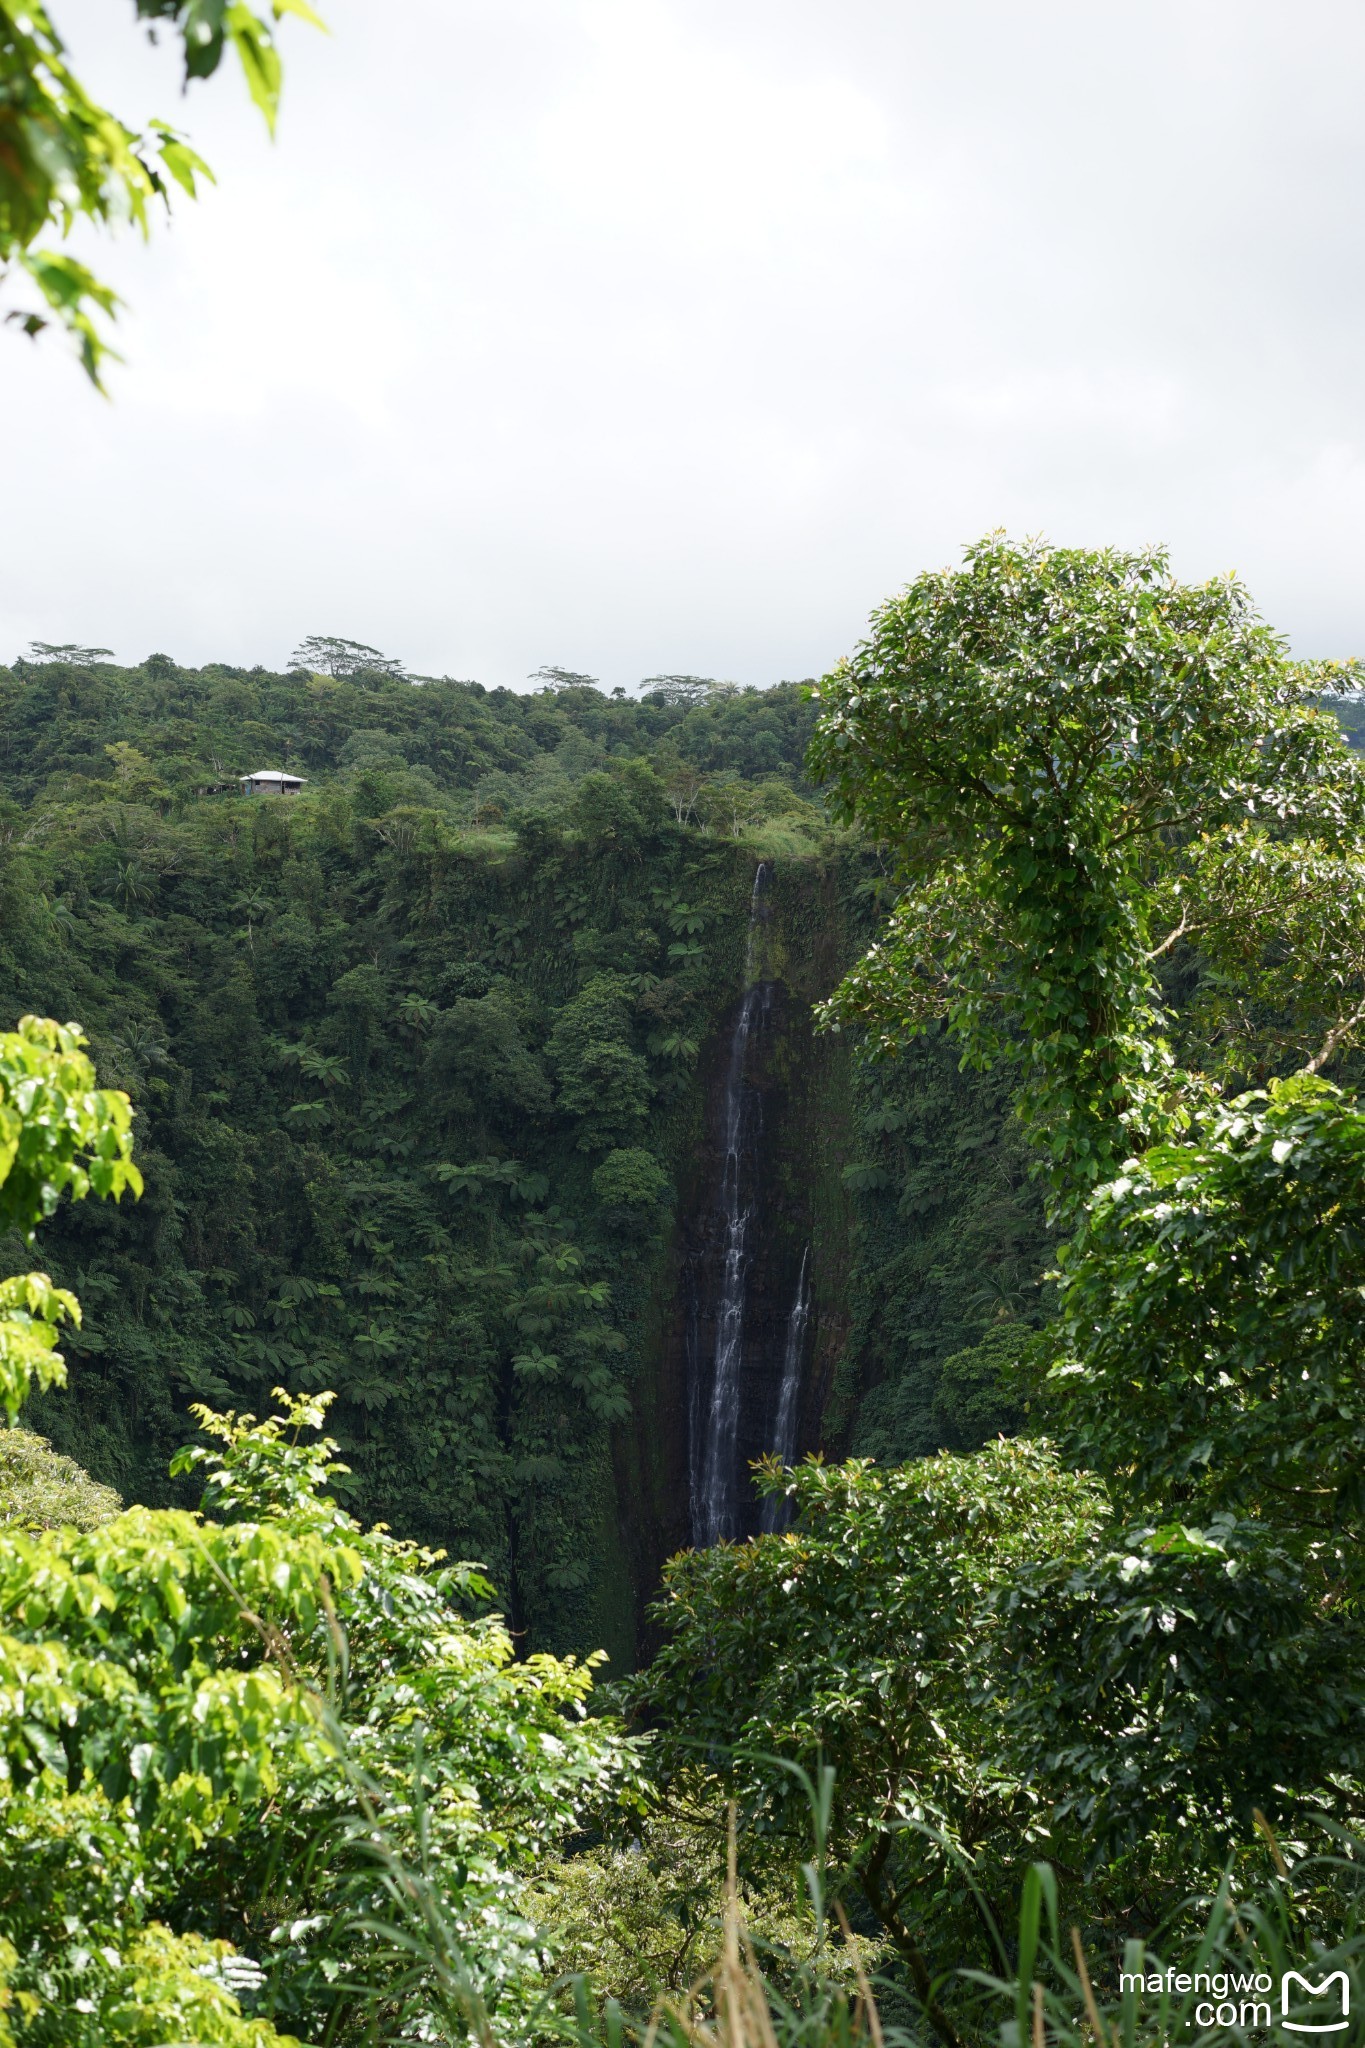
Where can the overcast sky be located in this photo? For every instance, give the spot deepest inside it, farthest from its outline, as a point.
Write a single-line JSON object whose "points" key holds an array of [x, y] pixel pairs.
{"points": [[647, 335]]}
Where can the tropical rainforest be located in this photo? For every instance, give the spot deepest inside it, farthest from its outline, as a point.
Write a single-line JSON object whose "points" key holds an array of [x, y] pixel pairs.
{"points": [[697, 1362], [420, 1060]]}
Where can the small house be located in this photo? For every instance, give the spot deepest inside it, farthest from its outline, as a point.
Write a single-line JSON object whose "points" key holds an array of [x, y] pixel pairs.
{"points": [[271, 782]]}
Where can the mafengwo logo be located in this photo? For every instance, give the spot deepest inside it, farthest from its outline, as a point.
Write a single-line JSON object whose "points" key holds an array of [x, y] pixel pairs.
{"points": [[1244, 1999], [1334, 1991]]}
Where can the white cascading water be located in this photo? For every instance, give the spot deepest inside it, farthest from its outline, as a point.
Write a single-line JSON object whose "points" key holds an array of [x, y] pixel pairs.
{"points": [[715, 1432], [789, 1394]]}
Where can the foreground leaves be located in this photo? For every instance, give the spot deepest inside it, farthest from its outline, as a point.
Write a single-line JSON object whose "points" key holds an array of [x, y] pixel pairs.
{"points": [[64, 156], [58, 1133], [212, 1723]]}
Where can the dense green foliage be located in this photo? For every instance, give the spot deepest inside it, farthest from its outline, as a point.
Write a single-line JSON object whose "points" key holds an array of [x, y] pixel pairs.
{"points": [[1125, 754], [40, 1489], [242, 1725], [251, 1722], [1068, 754], [1071, 753], [424, 1060], [1211, 1322], [420, 1062], [381, 1053], [64, 156], [948, 1253], [867, 1640], [58, 1134]]}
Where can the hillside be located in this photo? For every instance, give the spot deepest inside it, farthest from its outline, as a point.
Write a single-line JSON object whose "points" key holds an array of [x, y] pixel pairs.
{"points": [[431, 1065]]}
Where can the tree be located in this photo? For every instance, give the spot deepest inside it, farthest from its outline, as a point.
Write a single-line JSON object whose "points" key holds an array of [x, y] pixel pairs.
{"points": [[684, 783], [562, 679], [63, 156], [727, 804], [323, 654], [1213, 1315], [308, 1698], [70, 652], [632, 1187], [686, 692], [1242, 1248], [604, 1082], [1060, 746], [58, 1134], [622, 810], [1066, 750], [865, 1639]]}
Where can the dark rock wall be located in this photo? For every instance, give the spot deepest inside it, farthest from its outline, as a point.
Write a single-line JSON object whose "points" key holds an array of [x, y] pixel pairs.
{"points": [[794, 1179]]}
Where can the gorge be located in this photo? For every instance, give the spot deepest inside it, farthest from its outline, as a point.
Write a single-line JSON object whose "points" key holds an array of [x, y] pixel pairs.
{"points": [[480, 1083]]}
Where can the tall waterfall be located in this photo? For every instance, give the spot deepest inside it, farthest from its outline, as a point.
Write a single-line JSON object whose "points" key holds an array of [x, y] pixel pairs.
{"points": [[789, 1394], [715, 1404]]}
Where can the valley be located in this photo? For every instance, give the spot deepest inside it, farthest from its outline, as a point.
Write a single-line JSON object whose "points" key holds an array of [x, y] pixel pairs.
{"points": [[479, 1082]]}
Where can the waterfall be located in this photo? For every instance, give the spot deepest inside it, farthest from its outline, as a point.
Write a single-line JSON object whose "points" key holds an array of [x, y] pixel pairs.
{"points": [[714, 1449], [789, 1396]]}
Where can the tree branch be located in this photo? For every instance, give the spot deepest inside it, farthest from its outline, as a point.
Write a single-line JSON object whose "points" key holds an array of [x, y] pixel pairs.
{"points": [[1171, 937], [1333, 1040], [1147, 823]]}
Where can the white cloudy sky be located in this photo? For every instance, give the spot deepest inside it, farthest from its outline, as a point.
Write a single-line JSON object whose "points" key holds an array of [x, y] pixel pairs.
{"points": [[641, 335]]}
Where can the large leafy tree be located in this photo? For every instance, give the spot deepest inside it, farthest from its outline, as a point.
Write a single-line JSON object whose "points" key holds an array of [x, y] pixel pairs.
{"points": [[1084, 766], [325, 654], [249, 1734], [64, 157], [1073, 758]]}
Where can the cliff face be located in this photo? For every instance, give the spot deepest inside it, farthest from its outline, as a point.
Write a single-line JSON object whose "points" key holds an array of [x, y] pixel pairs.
{"points": [[768, 1141], [440, 1122], [910, 1187]]}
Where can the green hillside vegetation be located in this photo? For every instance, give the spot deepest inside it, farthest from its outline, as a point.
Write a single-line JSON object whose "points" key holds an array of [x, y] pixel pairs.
{"points": [[40, 1489], [419, 1061], [1060, 1675]]}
